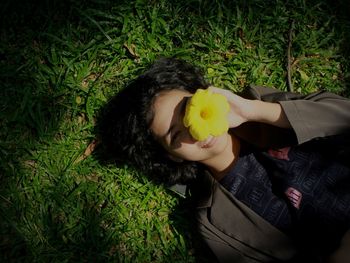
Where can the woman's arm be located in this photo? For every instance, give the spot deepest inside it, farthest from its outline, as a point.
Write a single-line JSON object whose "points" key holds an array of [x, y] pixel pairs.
{"points": [[269, 113], [310, 116]]}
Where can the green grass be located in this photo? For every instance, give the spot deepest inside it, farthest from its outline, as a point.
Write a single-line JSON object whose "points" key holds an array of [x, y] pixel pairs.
{"points": [[60, 61]]}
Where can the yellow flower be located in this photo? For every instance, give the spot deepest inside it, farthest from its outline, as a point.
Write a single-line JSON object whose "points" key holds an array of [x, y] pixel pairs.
{"points": [[206, 114]]}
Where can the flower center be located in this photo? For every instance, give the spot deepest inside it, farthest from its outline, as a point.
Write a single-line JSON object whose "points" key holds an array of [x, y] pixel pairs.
{"points": [[206, 113]]}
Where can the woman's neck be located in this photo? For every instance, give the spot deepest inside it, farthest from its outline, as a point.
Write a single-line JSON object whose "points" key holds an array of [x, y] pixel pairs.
{"points": [[226, 160]]}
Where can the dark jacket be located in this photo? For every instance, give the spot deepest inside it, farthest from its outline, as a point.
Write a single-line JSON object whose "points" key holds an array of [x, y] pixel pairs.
{"points": [[233, 231]]}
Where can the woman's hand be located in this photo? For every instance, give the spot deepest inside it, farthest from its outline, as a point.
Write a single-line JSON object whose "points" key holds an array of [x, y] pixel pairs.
{"points": [[244, 110], [240, 108]]}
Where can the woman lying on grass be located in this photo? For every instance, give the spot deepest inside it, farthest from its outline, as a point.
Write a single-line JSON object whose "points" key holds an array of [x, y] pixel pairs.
{"points": [[274, 187]]}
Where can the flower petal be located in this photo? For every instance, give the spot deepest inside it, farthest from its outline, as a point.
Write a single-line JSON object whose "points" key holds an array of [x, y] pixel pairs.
{"points": [[206, 114], [220, 103], [219, 126], [200, 132]]}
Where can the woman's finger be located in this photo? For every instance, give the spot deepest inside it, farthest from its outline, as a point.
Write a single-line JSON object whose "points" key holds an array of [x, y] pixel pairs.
{"points": [[224, 92]]}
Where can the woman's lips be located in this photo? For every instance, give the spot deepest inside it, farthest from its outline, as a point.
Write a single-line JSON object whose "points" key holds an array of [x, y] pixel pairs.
{"points": [[208, 142]]}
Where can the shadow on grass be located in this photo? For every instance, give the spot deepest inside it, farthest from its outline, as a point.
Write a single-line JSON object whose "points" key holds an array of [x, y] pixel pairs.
{"points": [[34, 203], [340, 10], [34, 100]]}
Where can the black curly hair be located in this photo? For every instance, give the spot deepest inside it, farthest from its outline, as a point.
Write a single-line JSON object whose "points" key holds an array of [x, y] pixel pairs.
{"points": [[125, 127]]}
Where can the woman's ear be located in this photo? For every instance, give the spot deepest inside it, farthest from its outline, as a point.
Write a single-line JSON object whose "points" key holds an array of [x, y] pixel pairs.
{"points": [[175, 159]]}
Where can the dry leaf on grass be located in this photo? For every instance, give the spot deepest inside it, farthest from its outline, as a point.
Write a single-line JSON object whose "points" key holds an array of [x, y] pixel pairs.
{"points": [[88, 151], [132, 50]]}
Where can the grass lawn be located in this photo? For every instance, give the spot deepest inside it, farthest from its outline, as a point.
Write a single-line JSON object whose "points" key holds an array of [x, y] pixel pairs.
{"points": [[61, 60]]}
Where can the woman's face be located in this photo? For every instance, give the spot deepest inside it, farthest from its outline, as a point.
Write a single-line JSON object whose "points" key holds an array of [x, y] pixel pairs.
{"points": [[168, 128]]}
